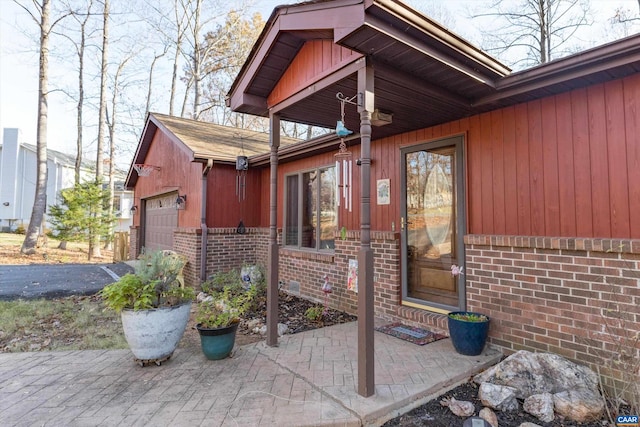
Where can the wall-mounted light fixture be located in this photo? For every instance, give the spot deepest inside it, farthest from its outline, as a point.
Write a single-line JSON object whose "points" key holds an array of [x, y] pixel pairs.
{"points": [[6, 203], [181, 202], [133, 209]]}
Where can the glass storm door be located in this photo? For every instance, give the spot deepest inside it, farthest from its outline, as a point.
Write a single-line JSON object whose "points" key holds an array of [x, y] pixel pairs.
{"points": [[433, 224]]}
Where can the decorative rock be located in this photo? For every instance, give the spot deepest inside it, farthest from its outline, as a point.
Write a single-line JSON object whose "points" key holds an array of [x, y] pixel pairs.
{"points": [[489, 416], [202, 297], [282, 329], [535, 373], [528, 424], [502, 398], [579, 405], [461, 408], [540, 406], [253, 324]]}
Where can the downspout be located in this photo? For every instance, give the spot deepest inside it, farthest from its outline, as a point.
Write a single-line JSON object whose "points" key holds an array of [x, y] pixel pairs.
{"points": [[203, 222]]}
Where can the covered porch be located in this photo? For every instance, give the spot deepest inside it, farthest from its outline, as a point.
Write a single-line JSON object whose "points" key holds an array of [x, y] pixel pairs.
{"points": [[383, 70]]}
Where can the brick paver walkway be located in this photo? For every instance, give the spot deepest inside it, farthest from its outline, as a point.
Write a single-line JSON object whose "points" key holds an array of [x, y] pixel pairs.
{"points": [[309, 380]]}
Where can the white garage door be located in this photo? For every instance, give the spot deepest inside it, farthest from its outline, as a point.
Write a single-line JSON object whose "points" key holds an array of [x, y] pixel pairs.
{"points": [[161, 218]]}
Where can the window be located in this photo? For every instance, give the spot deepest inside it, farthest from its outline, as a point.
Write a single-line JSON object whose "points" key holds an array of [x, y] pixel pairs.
{"points": [[310, 209]]}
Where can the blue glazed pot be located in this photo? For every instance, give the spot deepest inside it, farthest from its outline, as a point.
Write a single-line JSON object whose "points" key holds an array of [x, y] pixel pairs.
{"points": [[467, 337], [217, 343]]}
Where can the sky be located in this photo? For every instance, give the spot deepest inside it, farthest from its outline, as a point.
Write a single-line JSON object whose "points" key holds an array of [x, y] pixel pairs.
{"points": [[19, 66]]}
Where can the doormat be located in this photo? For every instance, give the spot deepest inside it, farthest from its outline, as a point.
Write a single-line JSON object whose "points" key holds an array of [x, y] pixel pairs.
{"points": [[410, 333]]}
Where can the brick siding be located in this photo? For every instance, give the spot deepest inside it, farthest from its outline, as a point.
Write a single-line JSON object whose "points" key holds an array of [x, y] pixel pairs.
{"points": [[134, 242], [579, 298], [309, 267]]}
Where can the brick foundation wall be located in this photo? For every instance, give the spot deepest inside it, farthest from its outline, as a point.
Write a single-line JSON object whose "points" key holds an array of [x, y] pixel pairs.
{"points": [[186, 242], [579, 298], [134, 242], [227, 250], [309, 267]]}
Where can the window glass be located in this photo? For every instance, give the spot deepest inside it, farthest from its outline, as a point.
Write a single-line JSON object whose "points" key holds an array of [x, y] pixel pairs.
{"points": [[291, 227], [310, 209], [328, 211]]}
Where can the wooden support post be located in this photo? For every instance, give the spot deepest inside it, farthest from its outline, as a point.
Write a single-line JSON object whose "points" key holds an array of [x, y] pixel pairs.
{"points": [[366, 372], [272, 284]]}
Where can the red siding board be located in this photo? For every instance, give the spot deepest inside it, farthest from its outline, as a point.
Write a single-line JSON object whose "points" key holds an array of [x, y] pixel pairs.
{"points": [[582, 161], [522, 168], [599, 161], [550, 163], [497, 148], [474, 186], [510, 171], [616, 145], [566, 168], [632, 134], [536, 161], [486, 173]]}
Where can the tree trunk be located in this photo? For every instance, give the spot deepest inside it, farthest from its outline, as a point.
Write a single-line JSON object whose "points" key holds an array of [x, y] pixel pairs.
{"points": [[197, 61], [80, 104], [95, 247], [40, 202]]}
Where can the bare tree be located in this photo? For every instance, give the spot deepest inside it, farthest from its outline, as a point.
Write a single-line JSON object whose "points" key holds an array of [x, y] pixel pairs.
{"points": [[626, 16], [532, 32], [42, 18], [111, 124], [151, 69], [172, 30], [81, 19], [102, 113]]}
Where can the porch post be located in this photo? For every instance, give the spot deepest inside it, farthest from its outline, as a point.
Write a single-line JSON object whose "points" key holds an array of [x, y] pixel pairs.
{"points": [[366, 373], [272, 283]]}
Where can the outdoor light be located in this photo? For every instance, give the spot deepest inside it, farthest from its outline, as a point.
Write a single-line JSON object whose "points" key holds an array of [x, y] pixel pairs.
{"points": [[6, 203], [133, 210], [181, 202]]}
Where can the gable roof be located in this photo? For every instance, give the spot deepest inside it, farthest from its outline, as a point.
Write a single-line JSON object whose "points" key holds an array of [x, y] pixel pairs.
{"points": [[203, 141], [423, 73]]}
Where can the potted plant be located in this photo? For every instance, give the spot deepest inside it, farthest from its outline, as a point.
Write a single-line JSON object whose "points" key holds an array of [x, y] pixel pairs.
{"points": [[154, 306], [217, 321], [468, 331], [232, 295]]}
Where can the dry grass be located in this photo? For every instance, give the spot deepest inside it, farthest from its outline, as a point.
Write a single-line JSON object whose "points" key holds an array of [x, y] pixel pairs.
{"points": [[47, 253], [73, 323]]}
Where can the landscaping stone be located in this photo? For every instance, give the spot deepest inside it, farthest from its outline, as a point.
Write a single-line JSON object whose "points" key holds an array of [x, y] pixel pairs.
{"points": [[540, 406], [502, 398]]}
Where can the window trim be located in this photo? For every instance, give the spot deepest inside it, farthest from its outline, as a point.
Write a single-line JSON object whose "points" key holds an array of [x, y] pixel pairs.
{"points": [[299, 174]]}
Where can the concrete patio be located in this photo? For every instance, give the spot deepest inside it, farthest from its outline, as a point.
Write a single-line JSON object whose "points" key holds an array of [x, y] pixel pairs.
{"points": [[309, 380]]}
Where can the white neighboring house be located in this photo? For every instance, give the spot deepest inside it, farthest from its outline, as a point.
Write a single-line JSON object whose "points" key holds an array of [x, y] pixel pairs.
{"points": [[18, 183]]}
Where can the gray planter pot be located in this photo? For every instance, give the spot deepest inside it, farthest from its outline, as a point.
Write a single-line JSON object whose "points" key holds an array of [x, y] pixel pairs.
{"points": [[153, 335]]}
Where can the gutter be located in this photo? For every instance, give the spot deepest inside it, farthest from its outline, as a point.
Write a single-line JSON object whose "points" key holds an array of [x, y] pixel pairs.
{"points": [[203, 222]]}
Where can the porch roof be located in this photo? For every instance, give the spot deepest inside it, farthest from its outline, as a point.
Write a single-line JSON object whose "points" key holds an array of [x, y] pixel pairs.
{"points": [[424, 74]]}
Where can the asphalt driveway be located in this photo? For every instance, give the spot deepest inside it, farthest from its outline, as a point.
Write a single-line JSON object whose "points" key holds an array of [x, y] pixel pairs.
{"points": [[51, 281]]}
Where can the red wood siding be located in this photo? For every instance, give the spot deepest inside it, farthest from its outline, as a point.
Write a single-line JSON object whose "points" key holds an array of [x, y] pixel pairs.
{"points": [[224, 208], [316, 59], [177, 172], [567, 165]]}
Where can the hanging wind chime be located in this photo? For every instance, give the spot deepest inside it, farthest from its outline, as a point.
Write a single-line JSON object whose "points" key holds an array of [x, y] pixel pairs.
{"points": [[345, 155], [242, 165]]}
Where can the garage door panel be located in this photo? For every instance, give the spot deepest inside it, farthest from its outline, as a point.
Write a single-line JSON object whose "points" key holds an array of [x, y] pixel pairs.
{"points": [[161, 218]]}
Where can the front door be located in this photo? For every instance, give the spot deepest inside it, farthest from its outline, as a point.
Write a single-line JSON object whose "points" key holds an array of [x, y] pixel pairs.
{"points": [[433, 224]]}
